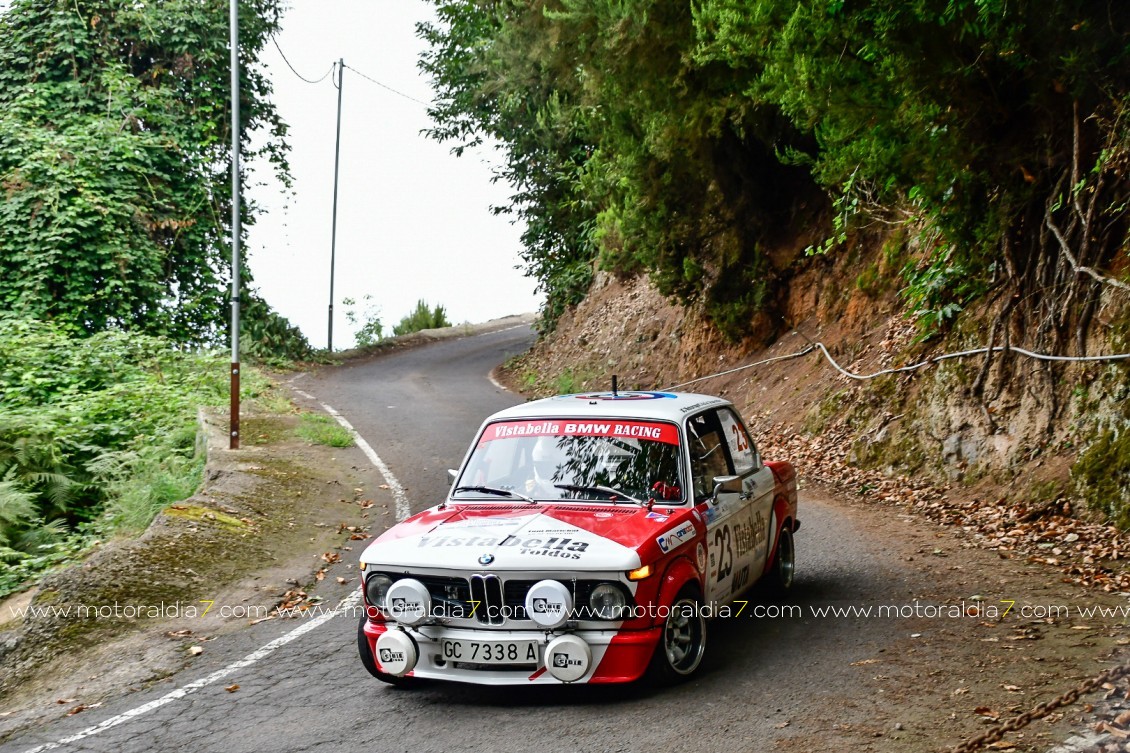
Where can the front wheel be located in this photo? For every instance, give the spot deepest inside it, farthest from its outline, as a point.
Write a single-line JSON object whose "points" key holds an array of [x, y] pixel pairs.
{"points": [[683, 643], [784, 563], [371, 665]]}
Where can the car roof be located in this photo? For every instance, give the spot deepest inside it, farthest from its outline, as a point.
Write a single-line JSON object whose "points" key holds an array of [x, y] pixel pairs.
{"points": [[663, 406]]}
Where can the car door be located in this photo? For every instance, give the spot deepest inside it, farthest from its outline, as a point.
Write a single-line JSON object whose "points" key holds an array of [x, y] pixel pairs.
{"points": [[750, 523], [710, 458]]}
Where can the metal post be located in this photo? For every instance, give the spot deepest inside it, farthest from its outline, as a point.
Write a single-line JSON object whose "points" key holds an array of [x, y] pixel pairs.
{"points": [[333, 231], [235, 227]]}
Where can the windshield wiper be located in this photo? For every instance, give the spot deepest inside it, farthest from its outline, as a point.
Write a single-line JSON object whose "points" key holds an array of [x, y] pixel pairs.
{"points": [[494, 490], [613, 493]]}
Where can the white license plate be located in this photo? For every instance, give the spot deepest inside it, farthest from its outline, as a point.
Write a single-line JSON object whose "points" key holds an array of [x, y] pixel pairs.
{"points": [[490, 652]]}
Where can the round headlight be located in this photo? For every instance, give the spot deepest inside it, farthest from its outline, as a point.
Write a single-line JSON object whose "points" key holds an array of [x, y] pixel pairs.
{"points": [[376, 590], [607, 602]]}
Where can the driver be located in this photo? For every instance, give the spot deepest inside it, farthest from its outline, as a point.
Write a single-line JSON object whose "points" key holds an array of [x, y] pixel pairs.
{"points": [[543, 458]]}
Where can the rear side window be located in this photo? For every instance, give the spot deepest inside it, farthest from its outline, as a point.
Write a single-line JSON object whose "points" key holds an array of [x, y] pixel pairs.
{"points": [[742, 450]]}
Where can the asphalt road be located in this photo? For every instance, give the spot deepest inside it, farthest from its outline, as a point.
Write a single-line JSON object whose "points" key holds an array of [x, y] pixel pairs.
{"points": [[767, 683]]}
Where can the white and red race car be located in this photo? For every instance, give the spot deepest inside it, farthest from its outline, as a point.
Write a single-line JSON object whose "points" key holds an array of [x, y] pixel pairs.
{"points": [[586, 539]]}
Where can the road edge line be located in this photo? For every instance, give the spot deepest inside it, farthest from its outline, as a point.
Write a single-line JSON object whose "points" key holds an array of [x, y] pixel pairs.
{"points": [[255, 656], [403, 509]]}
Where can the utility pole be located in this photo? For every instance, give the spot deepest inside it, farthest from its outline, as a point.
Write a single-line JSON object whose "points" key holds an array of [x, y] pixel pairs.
{"points": [[333, 231], [235, 228]]}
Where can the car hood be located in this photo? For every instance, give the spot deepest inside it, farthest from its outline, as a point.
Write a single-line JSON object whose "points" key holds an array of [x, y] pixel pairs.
{"points": [[524, 537]]}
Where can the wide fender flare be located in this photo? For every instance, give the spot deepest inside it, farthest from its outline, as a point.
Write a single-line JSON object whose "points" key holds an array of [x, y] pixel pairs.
{"points": [[781, 516], [679, 573]]}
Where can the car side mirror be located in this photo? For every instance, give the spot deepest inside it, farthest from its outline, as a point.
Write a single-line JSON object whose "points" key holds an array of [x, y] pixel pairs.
{"points": [[451, 475], [725, 484]]}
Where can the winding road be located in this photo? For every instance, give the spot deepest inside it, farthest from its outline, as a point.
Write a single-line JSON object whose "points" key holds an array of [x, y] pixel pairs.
{"points": [[796, 682]]}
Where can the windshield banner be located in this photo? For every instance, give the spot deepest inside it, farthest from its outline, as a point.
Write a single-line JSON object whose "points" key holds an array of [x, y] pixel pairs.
{"points": [[653, 431]]}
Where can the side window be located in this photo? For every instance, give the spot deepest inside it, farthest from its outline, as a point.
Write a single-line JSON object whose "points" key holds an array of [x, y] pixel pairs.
{"points": [[742, 449], [708, 453]]}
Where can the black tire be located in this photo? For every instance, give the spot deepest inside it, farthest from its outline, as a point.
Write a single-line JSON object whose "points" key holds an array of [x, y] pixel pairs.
{"points": [[682, 645], [783, 571], [370, 664]]}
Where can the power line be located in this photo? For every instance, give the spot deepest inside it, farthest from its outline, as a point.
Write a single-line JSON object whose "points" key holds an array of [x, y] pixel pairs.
{"points": [[386, 86], [296, 73]]}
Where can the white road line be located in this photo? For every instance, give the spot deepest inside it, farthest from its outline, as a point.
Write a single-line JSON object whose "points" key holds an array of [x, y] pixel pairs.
{"points": [[403, 509], [349, 602], [346, 604], [495, 382]]}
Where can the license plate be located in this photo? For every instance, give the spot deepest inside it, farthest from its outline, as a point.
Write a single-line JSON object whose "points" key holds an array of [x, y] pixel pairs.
{"points": [[490, 652]]}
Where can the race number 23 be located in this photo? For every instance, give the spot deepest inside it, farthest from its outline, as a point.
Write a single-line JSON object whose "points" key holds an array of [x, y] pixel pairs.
{"points": [[723, 542]]}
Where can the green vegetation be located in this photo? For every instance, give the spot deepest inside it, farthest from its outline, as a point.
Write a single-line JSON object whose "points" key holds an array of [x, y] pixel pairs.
{"points": [[370, 331], [97, 435], [321, 429], [115, 167], [422, 317], [696, 141], [115, 259]]}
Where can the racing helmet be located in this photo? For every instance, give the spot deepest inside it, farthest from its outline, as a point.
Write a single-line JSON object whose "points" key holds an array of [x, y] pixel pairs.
{"points": [[544, 458]]}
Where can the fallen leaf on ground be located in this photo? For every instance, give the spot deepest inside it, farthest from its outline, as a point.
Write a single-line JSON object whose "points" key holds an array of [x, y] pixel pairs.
{"points": [[232, 688], [82, 707]]}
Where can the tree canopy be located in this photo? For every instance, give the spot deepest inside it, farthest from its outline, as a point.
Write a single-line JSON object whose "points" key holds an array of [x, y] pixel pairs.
{"points": [[691, 139], [115, 160]]}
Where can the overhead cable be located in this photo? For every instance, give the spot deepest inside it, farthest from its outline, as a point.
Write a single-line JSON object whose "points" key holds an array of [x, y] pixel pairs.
{"points": [[386, 86], [296, 73]]}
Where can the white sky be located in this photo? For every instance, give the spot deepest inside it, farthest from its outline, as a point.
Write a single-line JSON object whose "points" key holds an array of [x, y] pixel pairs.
{"points": [[413, 219]]}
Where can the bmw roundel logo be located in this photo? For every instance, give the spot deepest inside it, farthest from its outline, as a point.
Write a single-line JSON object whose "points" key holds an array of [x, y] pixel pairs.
{"points": [[486, 559]]}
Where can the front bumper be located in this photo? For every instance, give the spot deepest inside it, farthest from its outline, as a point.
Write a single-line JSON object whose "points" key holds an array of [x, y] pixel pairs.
{"points": [[618, 656]]}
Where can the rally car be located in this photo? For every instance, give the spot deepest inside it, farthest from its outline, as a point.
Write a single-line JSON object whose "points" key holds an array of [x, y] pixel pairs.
{"points": [[585, 539]]}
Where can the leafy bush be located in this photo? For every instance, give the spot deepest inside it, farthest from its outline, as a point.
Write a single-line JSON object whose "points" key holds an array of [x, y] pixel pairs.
{"points": [[96, 434], [267, 336], [423, 317], [370, 331]]}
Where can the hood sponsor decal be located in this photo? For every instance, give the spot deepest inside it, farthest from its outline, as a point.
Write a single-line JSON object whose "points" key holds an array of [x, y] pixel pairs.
{"points": [[486, 521], [563, 547], [650, 430], [676, 537], [535, 541], [625, 396], [656, 516]]}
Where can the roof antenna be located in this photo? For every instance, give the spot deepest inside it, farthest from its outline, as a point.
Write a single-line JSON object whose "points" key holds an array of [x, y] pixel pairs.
{"points": [[614, 392]]}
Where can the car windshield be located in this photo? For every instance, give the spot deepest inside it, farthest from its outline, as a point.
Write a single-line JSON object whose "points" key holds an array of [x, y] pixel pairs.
{"points": [[561, 459]]}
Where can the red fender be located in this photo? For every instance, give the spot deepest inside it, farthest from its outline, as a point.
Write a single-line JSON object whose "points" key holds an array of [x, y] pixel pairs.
{"points": [[680, 572], [782, 517]]}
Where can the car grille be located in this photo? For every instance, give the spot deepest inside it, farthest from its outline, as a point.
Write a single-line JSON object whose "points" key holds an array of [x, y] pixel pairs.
{"points": [[487, 593], [490, 599]]}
